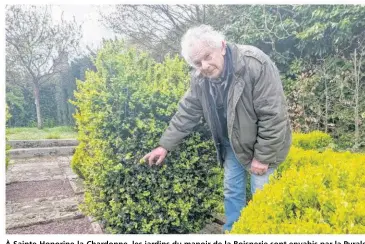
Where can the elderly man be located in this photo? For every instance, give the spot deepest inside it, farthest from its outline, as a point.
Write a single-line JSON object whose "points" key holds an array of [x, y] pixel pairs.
{"points": [[237, 88]]}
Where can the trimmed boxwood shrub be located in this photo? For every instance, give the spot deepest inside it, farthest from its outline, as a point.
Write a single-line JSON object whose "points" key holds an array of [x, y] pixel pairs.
{"points": [[312, 193], [122, 110]]}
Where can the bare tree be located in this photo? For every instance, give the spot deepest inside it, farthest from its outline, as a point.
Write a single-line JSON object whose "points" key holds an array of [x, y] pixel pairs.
{"points": [[159, 28], [34, 44]]}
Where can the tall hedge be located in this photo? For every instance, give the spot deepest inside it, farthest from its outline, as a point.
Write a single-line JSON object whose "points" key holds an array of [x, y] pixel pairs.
{"points": [[312, 193], [122, 110]]}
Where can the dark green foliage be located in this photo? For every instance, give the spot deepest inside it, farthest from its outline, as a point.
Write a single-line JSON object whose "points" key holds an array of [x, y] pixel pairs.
{"points": [[21, 104], [314, 47], [23, 109], [122, 111]]}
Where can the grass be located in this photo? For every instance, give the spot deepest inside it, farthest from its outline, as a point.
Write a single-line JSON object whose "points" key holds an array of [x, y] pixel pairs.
{"points": [[25, 133]]}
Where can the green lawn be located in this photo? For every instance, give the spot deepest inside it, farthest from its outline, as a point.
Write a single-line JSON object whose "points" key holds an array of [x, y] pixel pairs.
{"points": [[24, 133]]}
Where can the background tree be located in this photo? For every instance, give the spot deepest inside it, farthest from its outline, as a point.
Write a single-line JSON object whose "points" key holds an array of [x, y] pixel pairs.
{"points": [[35, 44], [158, 28]]}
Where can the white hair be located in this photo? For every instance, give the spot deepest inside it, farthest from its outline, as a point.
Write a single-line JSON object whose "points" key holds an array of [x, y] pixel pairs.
{"points": [[202, 33]]}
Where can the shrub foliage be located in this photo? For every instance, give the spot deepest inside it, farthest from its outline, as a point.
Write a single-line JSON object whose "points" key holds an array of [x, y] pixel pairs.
{"points": [[316, 140], [122, 110], [311, 193]]}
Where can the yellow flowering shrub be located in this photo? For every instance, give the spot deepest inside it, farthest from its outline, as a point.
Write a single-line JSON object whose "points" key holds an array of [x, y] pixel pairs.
{"points": [[311, 193], [314, 140]]}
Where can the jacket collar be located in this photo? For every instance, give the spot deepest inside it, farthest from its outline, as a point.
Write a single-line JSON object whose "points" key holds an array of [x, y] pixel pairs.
{"points": [[237, 59]]}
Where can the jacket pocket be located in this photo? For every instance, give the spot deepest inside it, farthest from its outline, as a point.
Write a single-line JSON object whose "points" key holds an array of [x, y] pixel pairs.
{"points": [[242, 147]]}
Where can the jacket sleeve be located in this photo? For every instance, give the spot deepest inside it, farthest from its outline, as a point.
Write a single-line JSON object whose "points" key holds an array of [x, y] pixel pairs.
{"points": [[271, 110], [183, 122]]}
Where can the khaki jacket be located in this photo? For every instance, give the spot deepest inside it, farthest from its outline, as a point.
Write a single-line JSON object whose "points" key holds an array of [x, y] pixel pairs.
{"points": [[257, 117]]}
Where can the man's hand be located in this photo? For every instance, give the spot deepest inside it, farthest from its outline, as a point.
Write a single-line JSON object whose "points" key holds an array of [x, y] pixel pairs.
{"points": [[258, 168], [158, 154]]}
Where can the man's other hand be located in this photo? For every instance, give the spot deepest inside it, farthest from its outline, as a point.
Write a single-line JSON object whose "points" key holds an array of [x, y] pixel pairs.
{"points": [[258, 168]]}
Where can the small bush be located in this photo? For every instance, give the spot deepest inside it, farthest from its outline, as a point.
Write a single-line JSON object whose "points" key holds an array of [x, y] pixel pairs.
{"points": [[315, 193], [122, 111], [315, 140]]}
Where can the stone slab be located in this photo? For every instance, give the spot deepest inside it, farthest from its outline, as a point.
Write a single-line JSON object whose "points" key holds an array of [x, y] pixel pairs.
{"points": [[41, 152], [22, 172], [73, 226], [41, 210], [77, 185], [64, 161], [26, 191], [54, 159], [96, 226], [69, 174], [42, 143]]}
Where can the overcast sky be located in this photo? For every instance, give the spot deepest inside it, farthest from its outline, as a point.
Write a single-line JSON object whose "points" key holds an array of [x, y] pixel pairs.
{"points": [[93, 31]]}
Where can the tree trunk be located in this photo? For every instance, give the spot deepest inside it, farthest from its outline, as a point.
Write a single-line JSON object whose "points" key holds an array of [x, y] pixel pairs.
{"points": [[64, 106], [59, 103], [37, 105]]}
